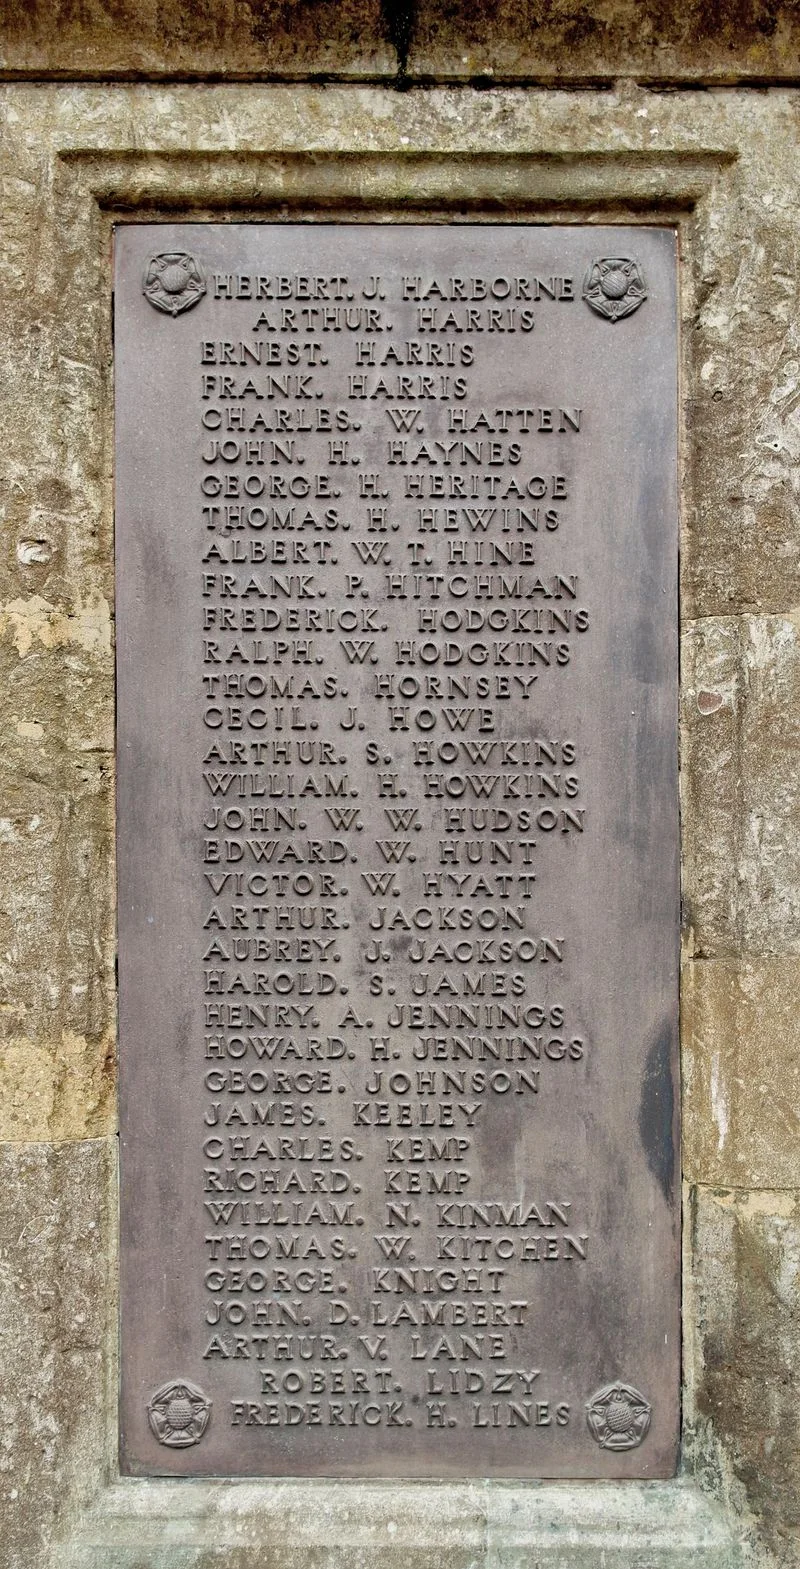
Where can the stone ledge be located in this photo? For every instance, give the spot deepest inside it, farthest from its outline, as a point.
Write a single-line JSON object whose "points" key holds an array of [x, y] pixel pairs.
{"points": [[346, 1525], [587, 41]]}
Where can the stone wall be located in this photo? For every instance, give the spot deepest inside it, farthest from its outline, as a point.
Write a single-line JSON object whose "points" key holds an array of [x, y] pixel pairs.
{"points": [[603, 114]]}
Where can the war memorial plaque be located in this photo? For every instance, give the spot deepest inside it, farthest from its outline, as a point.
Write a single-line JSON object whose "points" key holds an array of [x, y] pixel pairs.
{"points": [[396, 534]]}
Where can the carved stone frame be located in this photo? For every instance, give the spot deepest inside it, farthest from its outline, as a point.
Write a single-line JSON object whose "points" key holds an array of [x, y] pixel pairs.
{"points": [[131, 1522]]}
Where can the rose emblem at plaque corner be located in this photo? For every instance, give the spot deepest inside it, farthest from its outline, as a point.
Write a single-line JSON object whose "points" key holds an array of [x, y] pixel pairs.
{"points": [[178, 1413], [173, 282], [614, 287], [618, 1417]]}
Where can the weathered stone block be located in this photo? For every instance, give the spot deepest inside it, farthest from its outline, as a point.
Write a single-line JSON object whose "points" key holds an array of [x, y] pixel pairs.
{"points": [[61, 1089], [534, 41], [741, 1063], [126, 38], [56, 1308], [741, 788], [712, 682], [56, 963], [745, 1350], [770, 807]]}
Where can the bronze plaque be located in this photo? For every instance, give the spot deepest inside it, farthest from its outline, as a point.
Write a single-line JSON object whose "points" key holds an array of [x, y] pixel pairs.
{"points": [[396, 523]]}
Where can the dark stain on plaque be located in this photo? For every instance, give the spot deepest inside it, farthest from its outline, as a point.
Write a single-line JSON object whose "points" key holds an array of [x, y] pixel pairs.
{"points": [[657, 1110]]}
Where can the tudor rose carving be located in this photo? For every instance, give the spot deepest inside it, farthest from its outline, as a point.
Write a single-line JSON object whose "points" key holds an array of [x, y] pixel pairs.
{"points": [[173, 282], [178, 1413], [614, 287], [618, 1416]]}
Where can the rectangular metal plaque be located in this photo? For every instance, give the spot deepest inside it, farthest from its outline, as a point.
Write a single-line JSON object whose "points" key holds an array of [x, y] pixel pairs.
{"points": [[396, 524]]}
